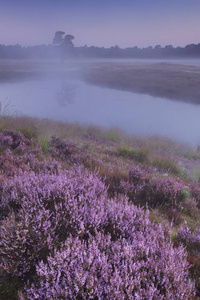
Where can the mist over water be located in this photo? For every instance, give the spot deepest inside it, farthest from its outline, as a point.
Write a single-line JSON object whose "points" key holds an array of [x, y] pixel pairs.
{"points": [[72, 100]]}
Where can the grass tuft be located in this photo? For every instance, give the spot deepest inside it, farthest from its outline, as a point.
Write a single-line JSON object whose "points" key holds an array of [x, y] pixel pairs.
{"points": [[167, 165], [138, 155]]}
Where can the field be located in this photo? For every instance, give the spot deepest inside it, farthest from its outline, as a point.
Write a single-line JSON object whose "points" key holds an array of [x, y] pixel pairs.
{"points": [[88, 212]]}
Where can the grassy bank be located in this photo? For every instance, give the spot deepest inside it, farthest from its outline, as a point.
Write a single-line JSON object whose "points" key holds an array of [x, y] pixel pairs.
{"points": [[106, 214], [171, 81]]}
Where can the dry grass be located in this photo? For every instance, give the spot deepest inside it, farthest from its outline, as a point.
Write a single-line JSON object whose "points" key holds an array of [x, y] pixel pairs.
{"points": [[176, 82], [111, 145]]}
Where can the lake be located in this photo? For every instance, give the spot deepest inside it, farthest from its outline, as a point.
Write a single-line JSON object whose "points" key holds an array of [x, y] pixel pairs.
{"points": [[73, 100]]}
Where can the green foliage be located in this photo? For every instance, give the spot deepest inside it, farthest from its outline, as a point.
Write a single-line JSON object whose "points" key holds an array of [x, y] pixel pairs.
{"points": [[138, 155], [112, 134], [30, 132], [44, 145], [192, 155], [186, 193]]}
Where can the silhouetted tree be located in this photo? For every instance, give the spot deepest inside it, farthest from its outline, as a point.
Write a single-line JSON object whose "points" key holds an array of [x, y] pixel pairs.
{"points": [[65, 43], [58, 38]]}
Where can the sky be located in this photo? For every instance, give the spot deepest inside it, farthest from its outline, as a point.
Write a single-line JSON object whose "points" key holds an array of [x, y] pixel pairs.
{"points": [[102, 23]]}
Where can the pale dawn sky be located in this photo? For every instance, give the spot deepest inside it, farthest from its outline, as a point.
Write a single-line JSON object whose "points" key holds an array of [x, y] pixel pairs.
{"points": [[104, 23]]}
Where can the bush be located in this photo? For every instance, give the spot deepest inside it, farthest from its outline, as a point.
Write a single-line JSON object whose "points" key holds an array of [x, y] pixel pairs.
{"points": [[65, 239], [103, 269], [191, 239], [66, 151], [13, 140], [144, 188]]}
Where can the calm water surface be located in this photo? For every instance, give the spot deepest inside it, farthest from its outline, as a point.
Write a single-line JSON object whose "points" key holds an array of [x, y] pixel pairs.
{"points": [[73, 100]]}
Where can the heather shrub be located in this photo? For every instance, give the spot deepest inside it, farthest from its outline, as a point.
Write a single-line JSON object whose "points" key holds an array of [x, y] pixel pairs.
{"points": [[13, 140], [42, 210], [191, 240], [138, 175], [194, 188], [190, 208], [11, 164], [103, 269], [165, 191], [143, 188], [65, 239], [38, 165], [113, 181], [66, 151], [72, 154], [25, 239], [19, 154]]}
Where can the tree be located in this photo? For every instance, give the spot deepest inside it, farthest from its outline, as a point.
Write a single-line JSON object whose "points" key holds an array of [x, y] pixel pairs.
{"points": [[58, 38], [65, 43]]}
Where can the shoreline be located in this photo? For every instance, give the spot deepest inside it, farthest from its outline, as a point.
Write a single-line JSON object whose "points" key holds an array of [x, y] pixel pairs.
{"points": [[166, 80], [171, 81]]}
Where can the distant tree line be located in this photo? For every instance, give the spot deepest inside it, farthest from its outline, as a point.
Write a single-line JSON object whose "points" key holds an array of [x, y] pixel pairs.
{"points": [[65, 44]]}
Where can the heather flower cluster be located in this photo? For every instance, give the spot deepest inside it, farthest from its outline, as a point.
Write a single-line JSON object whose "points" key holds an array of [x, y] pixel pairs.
{"points": [[13, 140], [100, 268], [191, 240], [19, 154], [143, 187], [64, 150], [63, 237], [195, 192], [189, 237], [70, 153]]}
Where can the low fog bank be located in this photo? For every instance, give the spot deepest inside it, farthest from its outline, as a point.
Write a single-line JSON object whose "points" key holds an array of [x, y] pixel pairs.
{"points": [[169, 80], [23, 70], [53, 51], [58, 91]]}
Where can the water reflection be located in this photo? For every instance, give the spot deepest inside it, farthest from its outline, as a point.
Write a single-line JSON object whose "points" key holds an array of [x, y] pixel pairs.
{"points": [[133, 113], [67, 93]]}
